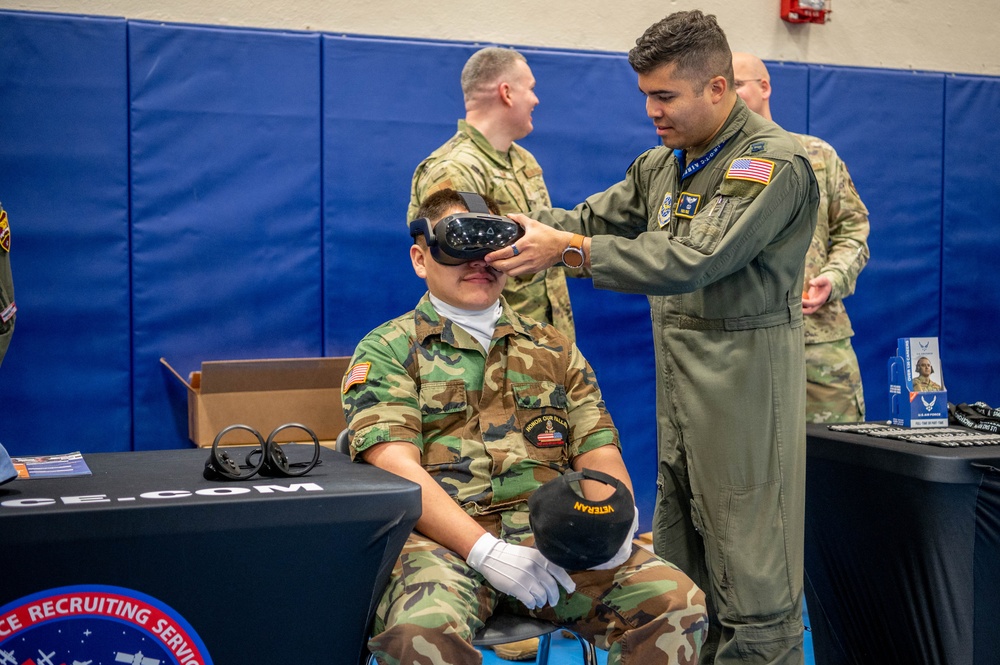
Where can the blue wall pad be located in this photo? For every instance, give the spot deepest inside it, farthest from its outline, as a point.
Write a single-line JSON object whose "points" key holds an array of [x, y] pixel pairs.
{"points": [[790, 95], [225, 207], [204, 193], [386, 105], [65, 382], [892, 146], [970, 353]]}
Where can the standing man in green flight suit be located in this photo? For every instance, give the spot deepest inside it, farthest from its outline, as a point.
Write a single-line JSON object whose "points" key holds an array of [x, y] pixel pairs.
{"points": [[714, 228], [482, 157], [837, 254], [7, 307]]}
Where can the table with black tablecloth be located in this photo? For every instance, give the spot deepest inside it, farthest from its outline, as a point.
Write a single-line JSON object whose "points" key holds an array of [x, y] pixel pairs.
{"points": [[902, 550], [269, 570]]}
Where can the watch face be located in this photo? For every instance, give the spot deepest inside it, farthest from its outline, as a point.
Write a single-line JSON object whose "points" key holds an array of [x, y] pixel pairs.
{"points": [[572, 257]]}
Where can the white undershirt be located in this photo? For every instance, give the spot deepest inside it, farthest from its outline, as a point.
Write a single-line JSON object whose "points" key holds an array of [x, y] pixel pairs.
{"points": [[480, 323]]}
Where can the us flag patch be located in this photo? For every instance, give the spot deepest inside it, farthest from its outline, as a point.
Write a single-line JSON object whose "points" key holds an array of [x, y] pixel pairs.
{"points": [[357, 375], [751, 168]]}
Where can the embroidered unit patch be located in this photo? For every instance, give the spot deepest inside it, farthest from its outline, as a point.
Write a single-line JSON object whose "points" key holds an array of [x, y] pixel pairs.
{"points": [[687, 205], [664, 214]]}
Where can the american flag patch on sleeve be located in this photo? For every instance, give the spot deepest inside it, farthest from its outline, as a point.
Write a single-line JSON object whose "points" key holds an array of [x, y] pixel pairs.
{"points": [[751, 168], [357, 375]]}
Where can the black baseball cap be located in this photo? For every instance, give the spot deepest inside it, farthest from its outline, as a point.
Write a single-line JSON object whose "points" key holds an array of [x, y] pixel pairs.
{"points": [[574, 532]]}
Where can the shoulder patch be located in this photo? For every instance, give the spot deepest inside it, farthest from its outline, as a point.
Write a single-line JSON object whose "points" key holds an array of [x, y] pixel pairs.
{"points": [[4, 231], [751, 168], [664, 215], [357, 375], [757, 146]]}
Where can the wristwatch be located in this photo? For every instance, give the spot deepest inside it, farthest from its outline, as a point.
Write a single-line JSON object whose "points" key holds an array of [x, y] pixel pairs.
{"points": [[572, 256]]}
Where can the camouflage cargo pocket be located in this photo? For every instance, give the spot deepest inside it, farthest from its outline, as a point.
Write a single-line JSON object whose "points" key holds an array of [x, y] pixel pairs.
{"points": [[444, 413]]}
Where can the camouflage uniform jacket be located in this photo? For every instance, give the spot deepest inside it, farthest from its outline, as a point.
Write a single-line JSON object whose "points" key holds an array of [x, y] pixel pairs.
{"points": [[491, 430], [7, 307], [468, 163], [839, 246]]}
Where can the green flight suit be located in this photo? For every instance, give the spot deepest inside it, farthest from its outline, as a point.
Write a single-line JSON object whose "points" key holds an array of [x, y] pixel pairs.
{"points": [[468, 163], [7, 307], [720, 255]]}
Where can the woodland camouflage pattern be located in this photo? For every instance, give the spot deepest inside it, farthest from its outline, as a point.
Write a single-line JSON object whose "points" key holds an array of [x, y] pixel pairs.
{"points": [[839, 249], [429, 385], [468, 163]]}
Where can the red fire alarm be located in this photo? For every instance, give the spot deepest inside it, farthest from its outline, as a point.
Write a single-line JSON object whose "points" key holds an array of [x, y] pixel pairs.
{"points": [[805, 11]]}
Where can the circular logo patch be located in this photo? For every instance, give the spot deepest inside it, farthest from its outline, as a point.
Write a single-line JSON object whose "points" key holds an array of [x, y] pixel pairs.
{"points": [[547, 431], [96, 625]]}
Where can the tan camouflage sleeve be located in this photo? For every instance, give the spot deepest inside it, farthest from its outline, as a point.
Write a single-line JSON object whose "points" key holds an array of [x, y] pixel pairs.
{"points": [[848, 252], [447, 174], [379, 397]]}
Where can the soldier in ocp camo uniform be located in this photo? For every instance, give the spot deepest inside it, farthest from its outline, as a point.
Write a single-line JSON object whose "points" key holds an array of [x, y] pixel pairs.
{"points": [[456, 396], [7, 307], [836, 256], [482, 157]]}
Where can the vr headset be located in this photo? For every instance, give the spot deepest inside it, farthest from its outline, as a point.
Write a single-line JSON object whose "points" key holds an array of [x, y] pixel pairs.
{"points": [[467, 236]]}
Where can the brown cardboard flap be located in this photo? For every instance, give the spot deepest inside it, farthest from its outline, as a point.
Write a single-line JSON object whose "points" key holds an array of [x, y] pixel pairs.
{"points": [[280, 374], [265, 394]]}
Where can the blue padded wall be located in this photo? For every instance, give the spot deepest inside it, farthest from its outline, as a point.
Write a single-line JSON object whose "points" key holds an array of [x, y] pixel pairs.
{"points": [[211, 193], [227, 260], [382, 113], [971, 299], [65, 383], [790, 95], [891, 143]]}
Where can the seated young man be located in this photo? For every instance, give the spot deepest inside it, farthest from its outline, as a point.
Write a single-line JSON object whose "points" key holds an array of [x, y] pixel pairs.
{"points": [[444, 396]]}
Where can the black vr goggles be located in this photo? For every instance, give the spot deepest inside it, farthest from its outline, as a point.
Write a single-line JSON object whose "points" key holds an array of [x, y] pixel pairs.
{"points": [[467, 236]]}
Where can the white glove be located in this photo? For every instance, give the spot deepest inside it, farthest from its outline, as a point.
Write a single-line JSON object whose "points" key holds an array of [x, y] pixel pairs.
{"points": [[625, 551], [522, 572]]}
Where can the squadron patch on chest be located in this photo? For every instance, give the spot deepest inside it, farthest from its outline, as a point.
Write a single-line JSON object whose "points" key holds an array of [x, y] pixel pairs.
{"points": [[547, 431], [687, 205], [665, 208]]}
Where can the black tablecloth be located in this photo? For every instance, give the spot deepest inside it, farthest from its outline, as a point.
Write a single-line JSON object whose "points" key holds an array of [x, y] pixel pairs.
{"points": [[271, 570], [902, 551]]}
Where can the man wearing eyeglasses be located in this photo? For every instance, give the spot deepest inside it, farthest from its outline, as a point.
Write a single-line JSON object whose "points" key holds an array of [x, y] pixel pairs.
{"points": [[837, 254]]}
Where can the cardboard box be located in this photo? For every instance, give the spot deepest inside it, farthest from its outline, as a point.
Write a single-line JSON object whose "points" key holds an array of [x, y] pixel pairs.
{"points": [[265, 394]]}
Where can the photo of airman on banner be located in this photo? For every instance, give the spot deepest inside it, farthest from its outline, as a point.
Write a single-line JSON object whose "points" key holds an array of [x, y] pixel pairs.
{"points": [[922, 381], [922, 358], [915, 398]]}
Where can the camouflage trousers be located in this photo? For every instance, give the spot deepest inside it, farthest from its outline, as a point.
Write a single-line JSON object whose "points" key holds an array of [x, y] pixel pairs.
{"points": [[833, 383], [646, 611]]}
